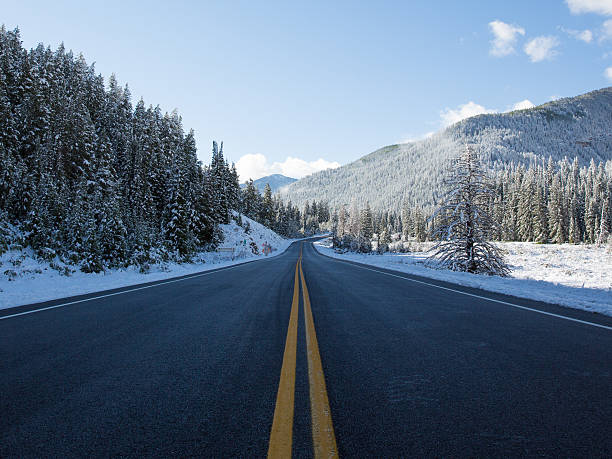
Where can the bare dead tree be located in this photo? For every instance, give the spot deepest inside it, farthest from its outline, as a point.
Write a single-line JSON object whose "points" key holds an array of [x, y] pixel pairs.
{"points": [[462, 224]]}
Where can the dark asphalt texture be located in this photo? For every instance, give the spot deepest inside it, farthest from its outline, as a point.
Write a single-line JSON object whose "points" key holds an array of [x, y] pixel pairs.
{"points": [[191, 369]]}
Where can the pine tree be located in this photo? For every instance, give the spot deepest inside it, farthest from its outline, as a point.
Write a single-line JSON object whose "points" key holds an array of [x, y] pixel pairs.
{"points": [[526, 215], [342, 221], [540, 215], [250, 201], [590, 220], [266, 212], [354, 226], [574, 230], [366, 225], [557, 229], [406, 223], [220, 180], [419, 225], [234, 189], [465, 224], [384, 239], [604, 227], [110, 231]]}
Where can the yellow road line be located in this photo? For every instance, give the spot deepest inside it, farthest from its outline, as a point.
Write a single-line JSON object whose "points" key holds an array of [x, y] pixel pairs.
{"points": [[281, 435], [323, 438]]}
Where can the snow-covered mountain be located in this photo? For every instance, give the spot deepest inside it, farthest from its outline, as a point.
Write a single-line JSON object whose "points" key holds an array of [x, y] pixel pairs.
{"points": [[573, 127], [276, 181]]}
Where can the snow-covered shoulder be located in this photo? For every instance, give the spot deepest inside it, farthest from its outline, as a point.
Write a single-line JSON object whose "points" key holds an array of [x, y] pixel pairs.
{"points": [[24, 279], [575, 276], [244, 238]]}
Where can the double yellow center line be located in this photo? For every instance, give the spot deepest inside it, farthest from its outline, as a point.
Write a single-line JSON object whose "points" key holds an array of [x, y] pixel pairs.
{"points": [[282, 425], [281, 436]]}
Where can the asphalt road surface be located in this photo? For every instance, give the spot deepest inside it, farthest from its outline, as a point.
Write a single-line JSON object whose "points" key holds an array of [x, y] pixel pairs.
{"points": [[305, 355]]}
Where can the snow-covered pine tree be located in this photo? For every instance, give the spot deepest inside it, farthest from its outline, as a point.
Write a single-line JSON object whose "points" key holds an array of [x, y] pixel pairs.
{"points": [[105, 196], [40, 225], [574, 230], [323, 213], [498, 214], [539, 212], [526, 214], [556, 210], [384, 239], [138, 219], [406, 222], [342, 221], [334, 227], [234, 189], [590, 218], [220, 181], [419, 225], [463, 235], [603, 234], [249, 200], [208, 233], [366, 224], [305, 219], [354, 226], [177, 227], [266, 212]]}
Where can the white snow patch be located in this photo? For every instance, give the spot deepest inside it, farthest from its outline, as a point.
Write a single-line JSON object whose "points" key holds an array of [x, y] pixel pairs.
{"points": [[576, 276], [25, 279]]}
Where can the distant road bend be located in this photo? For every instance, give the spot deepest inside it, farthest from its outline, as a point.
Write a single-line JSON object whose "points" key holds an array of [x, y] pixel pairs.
{"points": [[302, 355]]}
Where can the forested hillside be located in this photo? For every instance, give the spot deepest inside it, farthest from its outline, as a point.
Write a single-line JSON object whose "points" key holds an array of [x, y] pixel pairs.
{"points": [[86, 176], [412, 173], [541, 203]]}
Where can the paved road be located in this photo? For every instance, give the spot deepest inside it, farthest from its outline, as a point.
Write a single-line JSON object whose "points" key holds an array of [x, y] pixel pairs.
{"points": [[405, 368]]}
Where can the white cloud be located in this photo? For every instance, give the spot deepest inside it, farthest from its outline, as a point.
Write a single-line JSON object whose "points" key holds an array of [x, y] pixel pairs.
{"points": [[586, 36], [449, 116], [590, 6], [608, 73], [582, 35], [505, 36], [606, 31], [256, 166], [542, 48], [298, 168], [523, 104]]}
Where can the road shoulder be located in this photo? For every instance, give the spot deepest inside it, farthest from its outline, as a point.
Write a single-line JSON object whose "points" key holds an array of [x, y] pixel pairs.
{"points": [[479, 289]]}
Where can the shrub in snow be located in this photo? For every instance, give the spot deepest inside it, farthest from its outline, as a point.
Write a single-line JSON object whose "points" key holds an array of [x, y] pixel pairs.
{"points": [[4, 232]]}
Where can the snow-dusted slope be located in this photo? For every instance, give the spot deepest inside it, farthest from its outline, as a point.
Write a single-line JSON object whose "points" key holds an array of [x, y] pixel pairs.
{"points": [[24, 279], [578, 126]]}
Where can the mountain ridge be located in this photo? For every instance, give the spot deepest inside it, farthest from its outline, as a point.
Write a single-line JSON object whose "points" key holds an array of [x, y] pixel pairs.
{"points": [[579, 126], [276, 181]]}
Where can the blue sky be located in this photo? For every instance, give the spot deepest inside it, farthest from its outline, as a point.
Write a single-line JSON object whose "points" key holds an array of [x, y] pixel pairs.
{"points": [[293, 87]]}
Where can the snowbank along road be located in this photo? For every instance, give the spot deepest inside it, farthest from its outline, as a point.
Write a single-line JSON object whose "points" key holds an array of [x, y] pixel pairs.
{"points": [[303, 355]]}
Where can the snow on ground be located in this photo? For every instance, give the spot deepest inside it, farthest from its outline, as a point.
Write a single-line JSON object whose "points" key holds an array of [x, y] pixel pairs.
{"points": [[576, 276], [25, 280]]}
